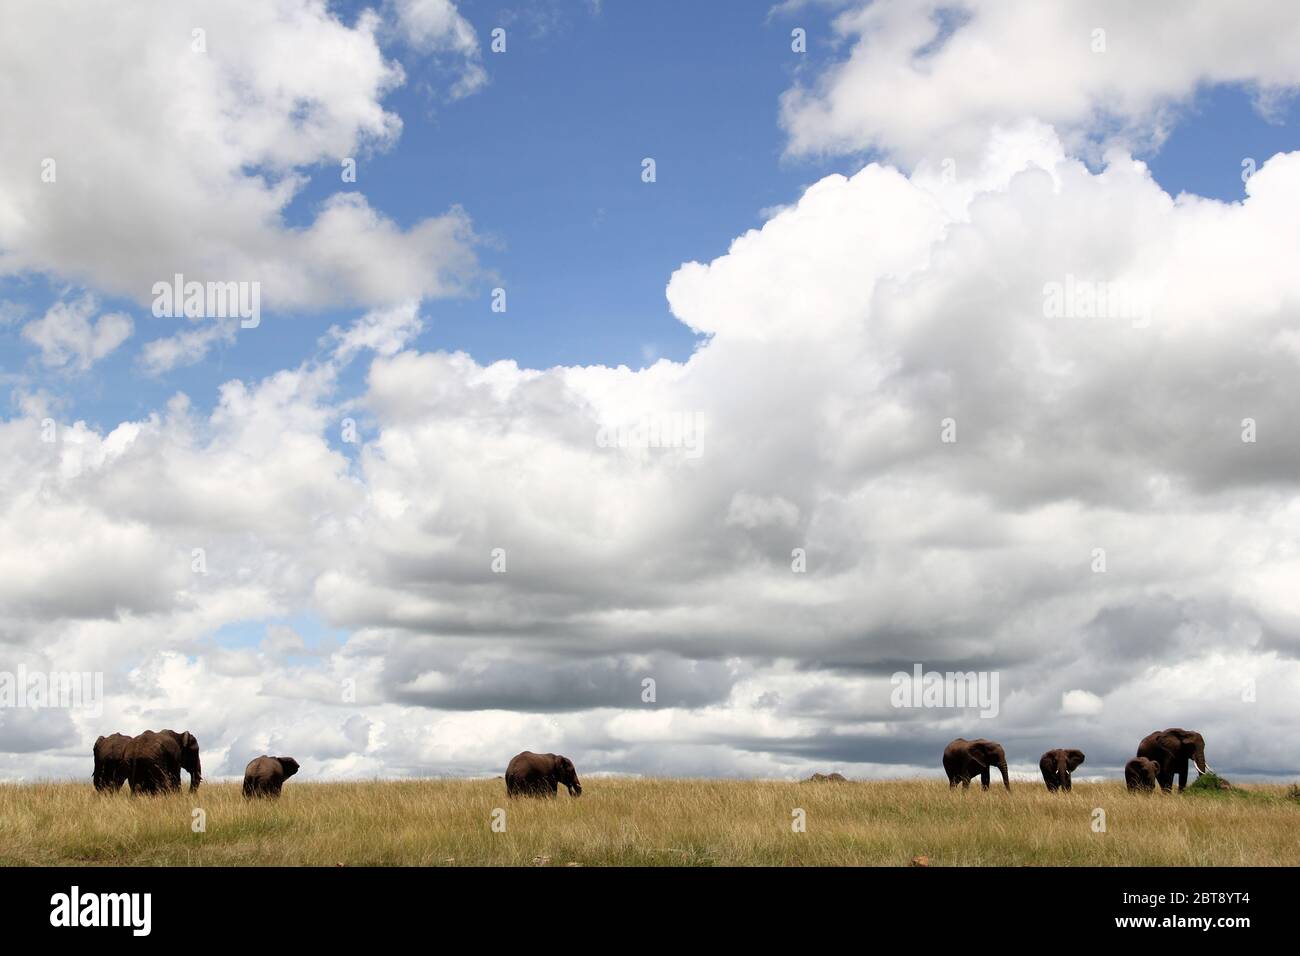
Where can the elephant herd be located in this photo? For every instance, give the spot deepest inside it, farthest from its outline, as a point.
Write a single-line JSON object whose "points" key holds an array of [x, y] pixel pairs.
{"points": [[1160, 757], [152, 762]]}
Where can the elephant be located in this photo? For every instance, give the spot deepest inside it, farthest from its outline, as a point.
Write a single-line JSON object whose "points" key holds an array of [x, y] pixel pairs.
{"points": [[155, 761], [1141, 774], [110, 763], [1057, 765], [964, 759], [539, 775], [264, 776], [1171, 749]]}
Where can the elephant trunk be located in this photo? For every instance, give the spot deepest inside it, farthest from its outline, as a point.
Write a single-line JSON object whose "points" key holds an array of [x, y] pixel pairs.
{"points": [[196, 775], [1006, 781], [1198, 758], [1063, 771]]}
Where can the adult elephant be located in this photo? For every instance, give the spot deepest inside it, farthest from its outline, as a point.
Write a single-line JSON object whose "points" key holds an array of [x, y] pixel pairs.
{"points": [[964, 759], [1141, 774], [110, 762], [1171, 749], [1057, 765], [539, 775], [155, 761], [264, 776]]}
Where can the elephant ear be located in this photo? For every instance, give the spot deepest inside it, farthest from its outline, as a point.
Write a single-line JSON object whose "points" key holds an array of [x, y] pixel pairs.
{"points": [[1073, 759]]}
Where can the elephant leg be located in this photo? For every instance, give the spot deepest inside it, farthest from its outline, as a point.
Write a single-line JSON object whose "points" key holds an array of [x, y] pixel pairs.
{"points": [[1182, 779], [984, 778], [965, 783]]}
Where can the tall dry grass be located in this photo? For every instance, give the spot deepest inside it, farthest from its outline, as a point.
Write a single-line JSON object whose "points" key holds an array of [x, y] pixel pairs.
{"points": [[649, 823]]}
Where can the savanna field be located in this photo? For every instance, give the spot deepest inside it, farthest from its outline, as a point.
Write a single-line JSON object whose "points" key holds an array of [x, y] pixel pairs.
{"points": [[624, 822]]}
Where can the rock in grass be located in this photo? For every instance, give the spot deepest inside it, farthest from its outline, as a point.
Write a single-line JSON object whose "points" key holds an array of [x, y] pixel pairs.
{"points": [[827, 778]]}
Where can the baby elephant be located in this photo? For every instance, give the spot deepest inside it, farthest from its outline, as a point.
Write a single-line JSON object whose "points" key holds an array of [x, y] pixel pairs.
{"points": [[1140, 775], [1057, 765], [264, 776]]}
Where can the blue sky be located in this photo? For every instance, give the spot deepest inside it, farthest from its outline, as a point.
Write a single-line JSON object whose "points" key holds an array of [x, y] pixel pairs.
{"points": [[546, 160]]}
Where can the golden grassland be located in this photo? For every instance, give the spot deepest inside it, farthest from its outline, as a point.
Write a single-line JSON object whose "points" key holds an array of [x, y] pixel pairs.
{"points": [[650, 822]]}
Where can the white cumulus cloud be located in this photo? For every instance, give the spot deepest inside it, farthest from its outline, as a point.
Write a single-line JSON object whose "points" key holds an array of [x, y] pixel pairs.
{"points": [[195, 125], [70, 335], [929, 79]]}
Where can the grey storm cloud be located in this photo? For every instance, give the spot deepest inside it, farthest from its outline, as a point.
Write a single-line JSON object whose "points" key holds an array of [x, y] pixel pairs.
{"points": [[28, 730], [520, 680]]}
